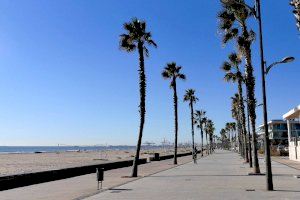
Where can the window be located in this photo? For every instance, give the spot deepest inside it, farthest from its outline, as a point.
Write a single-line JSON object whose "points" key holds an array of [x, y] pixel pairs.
{"points": [[297, 126], [276, 135], [283, 126], [294, 133], [284, 134]]}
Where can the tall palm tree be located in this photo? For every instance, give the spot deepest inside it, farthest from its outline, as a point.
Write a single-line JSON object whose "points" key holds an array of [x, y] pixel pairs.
{"points": [[233, 128], [206, 134], [200, 120], [191, 98], [228, 131], [210, 130], [223, 137], [235, 112], [136, 38], [172, 71], [234, 74], [233, 22]]}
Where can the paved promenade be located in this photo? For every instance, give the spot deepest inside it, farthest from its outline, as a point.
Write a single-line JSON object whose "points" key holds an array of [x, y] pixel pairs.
{"points": [[86, 185], [219, 176]]}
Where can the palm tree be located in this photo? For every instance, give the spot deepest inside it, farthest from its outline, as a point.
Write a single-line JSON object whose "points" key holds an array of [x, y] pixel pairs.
{"points": [[200, 120], [228, 130], [223, 137], [235, 112], [191, 98], [233, 20], [210, 130], [172, 71], [137, 37], [233, 74], [233, 128], [206, 133]]}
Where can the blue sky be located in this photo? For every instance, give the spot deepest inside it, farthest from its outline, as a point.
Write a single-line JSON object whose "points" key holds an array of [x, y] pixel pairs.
{"points": [[63, 79]]}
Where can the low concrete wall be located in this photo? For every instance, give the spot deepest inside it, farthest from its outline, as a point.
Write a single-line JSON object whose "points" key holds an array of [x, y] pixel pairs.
{"points": [[19, 180], [165, 157]]}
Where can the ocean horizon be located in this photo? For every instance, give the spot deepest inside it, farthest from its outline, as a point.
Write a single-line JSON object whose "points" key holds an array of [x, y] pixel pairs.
{"points": [[75, 148]]}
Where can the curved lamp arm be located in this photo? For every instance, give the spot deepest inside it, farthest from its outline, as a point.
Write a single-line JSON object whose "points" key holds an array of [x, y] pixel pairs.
{"points": [[284, 60], [272, 65]]}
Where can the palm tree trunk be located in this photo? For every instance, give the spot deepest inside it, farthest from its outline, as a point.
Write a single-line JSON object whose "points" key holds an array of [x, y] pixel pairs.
{"points": [[243, 118], [229, 136], [207, 152], [239, 127], [250, 83], [192, 123], [249, 139], [176, 121], [201, 129], [210, 143], [142, 108]]}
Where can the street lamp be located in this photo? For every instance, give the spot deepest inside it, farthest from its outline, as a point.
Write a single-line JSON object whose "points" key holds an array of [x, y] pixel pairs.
{"points": [[283, 61]]}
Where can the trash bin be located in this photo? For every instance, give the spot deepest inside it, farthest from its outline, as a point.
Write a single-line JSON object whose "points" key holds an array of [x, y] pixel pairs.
{"points": [[156, 156]]}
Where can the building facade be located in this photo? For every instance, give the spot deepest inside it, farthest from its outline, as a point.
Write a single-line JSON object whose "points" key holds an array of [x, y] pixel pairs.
{"points": [[278, 131], [293, 133]]}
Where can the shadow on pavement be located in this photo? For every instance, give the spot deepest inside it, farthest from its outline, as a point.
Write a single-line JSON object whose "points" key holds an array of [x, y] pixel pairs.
{"points": [[198, 175], [119, 189], [286, 191]]}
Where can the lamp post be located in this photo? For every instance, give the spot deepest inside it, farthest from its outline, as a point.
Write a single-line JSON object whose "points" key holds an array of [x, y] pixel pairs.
{"points": [[256, 11]]}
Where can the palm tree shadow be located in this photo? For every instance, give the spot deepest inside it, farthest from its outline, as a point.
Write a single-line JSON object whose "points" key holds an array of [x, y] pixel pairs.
{"points": [[120, 189]]}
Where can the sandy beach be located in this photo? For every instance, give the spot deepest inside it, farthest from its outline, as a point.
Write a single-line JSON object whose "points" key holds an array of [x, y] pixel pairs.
{"points": [[27, 163]]}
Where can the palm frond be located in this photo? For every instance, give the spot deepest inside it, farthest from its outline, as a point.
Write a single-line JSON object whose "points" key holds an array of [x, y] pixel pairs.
{"points": [[252, 36], [234, 59], [226, 66], [152, 43], [182, 76], [226, 20], [146, 51], [230, 35], [126, 43], [230, 77], [165, 74]]}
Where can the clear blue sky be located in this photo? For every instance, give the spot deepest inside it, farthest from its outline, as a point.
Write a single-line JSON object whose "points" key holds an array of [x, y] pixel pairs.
{"points": [[64, 80]]}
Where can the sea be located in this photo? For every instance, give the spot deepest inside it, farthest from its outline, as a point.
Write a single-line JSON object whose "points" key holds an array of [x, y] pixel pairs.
{"points": [[50, 149]]}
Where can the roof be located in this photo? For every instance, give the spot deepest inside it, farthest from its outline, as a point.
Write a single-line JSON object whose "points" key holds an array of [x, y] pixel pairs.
{"points": [[278, 121], [292, 114]]}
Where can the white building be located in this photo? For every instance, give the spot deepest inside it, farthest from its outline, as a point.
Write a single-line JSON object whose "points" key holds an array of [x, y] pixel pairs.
{"points": [[293, 134]]}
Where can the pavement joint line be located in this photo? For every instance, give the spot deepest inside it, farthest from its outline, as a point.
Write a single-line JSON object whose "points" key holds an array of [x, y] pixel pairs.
{"points": [[285, 164], [135, 179]]}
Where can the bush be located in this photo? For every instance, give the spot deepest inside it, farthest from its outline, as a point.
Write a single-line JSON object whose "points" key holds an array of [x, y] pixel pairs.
{"points": [[273, 151]]}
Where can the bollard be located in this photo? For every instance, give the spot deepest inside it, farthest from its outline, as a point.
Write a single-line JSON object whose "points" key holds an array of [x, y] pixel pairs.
{"points": [[100, 176]]}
